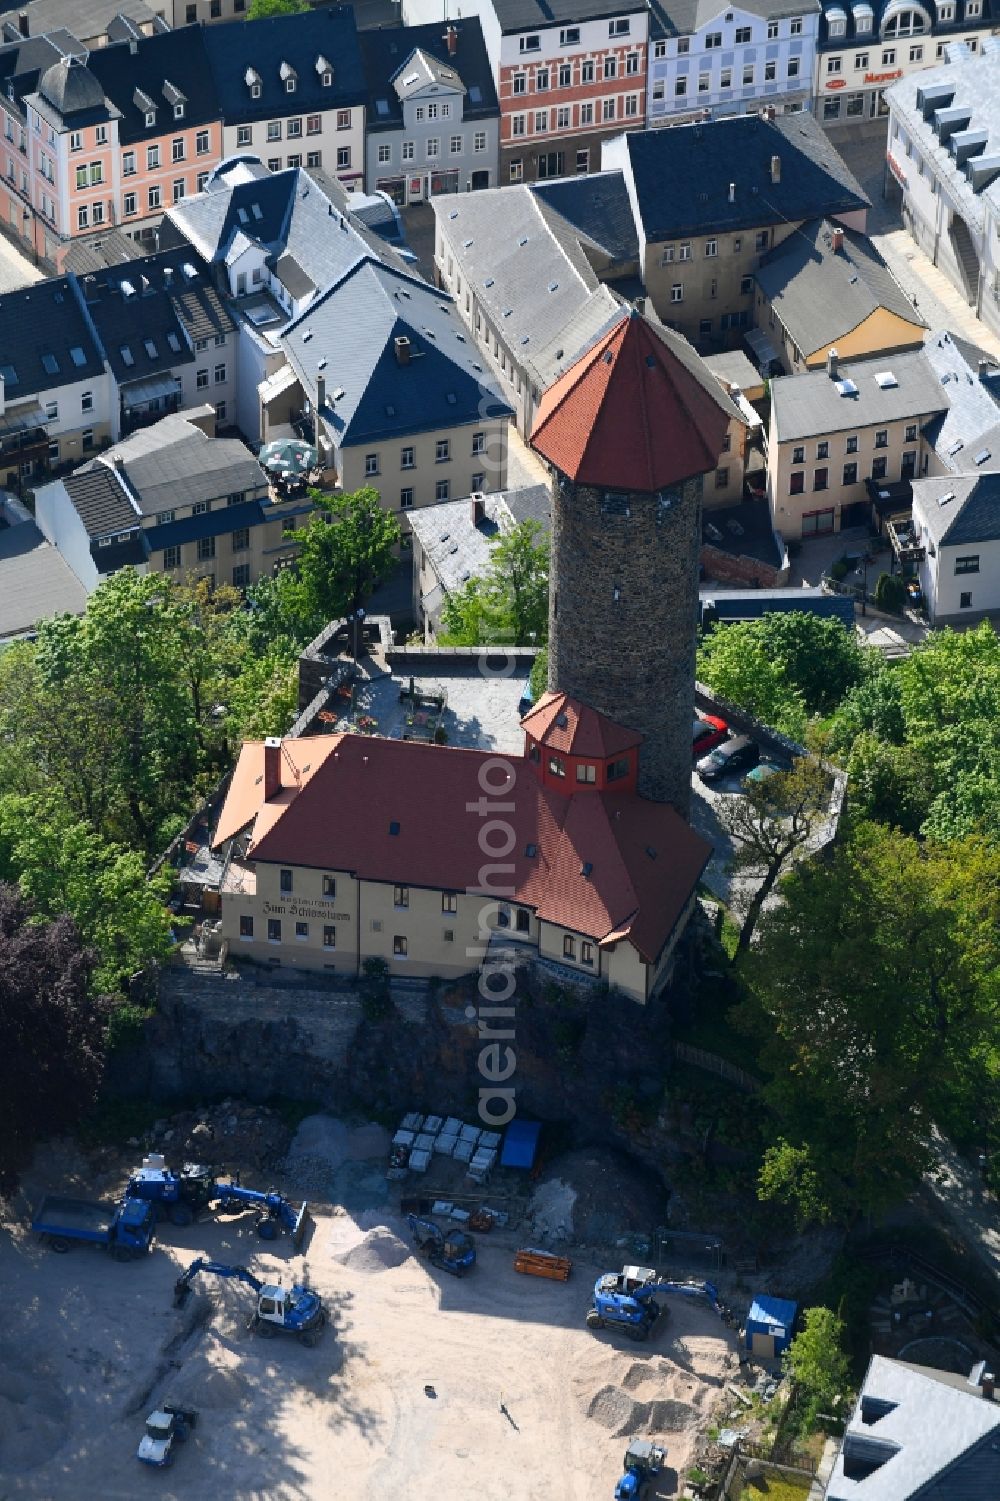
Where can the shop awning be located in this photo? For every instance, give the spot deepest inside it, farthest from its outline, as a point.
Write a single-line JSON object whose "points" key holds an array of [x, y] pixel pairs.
{"points": [[150, 390], [22, 419]]}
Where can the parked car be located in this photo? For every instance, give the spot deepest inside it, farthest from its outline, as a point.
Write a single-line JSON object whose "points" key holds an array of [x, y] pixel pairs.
{"points": [[707, 732], [763, 773], [739, 754]]}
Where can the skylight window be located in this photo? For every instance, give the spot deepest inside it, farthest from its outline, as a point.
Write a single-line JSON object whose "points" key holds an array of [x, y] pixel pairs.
{"points": [[78, 357], [394, 827], [981, 457], [9, 375], [530, 851], [885, 380], [946, 499], [586, 868], [150, 348], [956, 447], [244, 217], [50, 364], [174, 343], [847, 387], [128, 358]]}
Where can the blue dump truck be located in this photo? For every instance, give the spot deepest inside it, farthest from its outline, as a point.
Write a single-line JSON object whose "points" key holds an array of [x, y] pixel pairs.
{"points": [[125, 1230]]}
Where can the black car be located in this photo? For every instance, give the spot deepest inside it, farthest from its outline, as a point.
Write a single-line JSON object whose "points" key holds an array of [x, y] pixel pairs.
{"points": [[735, 755]]}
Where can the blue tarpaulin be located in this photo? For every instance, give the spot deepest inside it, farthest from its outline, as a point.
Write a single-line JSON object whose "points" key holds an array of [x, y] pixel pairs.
{"points": [[774, 1317], [520, 1145]]}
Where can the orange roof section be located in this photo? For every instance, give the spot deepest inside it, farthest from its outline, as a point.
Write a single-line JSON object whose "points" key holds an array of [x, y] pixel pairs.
{"points": [[638, 411], [394, 811], [564, 724]]}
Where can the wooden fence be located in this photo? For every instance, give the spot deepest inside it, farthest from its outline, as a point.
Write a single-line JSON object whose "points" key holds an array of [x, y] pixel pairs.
{"points": [[713, 1064]]}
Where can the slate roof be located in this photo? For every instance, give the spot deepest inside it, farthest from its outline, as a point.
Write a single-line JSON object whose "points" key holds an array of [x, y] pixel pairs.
{"points": [[385, 52], [670, 18], [23, 62], [535, 15], [638, 411], [967, 434], [45, 340], [336, 815], [926, 1437], [297, 40], [215, 523], [98, 252], [944, 30], [970, 512], [597, 208], [173, 463], [456, 548], [682, 175], [302, 219], [530, 275], [35, 581], [353, 325], [810, 405], [173, 57], [167, 306], [821, 295], [85, 19], [100, 500]]}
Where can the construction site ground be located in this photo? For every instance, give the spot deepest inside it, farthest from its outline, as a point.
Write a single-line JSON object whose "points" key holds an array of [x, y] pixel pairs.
{"points": [[423, 1386]]}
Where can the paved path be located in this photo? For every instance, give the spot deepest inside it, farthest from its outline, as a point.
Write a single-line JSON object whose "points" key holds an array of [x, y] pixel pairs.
{"points": [[972, 1209], [936, 299]]}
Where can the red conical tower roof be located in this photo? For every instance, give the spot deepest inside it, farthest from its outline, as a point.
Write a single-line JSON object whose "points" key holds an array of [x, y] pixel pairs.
{"points": [[638, 411]]}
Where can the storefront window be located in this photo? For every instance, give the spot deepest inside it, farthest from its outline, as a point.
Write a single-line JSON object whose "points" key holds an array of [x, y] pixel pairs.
{"points": [[831, 109]]}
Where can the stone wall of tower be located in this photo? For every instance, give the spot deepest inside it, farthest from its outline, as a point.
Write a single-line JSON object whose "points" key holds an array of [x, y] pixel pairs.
{"points": [[623, 609]]}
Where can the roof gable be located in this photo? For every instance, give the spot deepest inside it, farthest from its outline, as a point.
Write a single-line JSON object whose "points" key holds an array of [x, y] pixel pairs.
{"points": [[565, 724], [638, 411]]}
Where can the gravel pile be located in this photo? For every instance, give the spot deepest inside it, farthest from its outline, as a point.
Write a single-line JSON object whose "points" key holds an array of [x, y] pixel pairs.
{"points": [[551, 1211], [377, 1251], [34, 1414], [624, 1417]]}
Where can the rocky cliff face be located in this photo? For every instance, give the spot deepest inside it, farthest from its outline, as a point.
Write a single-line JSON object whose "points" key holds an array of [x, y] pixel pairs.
{"points": [[593, 1059]]}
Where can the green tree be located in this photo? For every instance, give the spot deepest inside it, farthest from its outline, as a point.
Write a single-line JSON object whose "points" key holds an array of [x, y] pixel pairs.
{"points": [[738, 668], [347, 549], [263, 10], [818, 659], [768, 823], [63, 866], [818, 1365], [510, 602], [875, 990], [540, 674]]}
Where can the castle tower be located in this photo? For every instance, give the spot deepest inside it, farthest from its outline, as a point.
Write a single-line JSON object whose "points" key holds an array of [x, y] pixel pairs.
{"points": [[629, 431]]}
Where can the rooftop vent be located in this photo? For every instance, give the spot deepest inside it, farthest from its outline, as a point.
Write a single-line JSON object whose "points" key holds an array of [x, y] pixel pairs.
{"points": [[948, 121], [967, 143], [947, 498], [956, 447], [339, 394], [128, 290], [934, 96], [402, 348], [980, 458], [553, 286], [885, 380], [188, 272]]}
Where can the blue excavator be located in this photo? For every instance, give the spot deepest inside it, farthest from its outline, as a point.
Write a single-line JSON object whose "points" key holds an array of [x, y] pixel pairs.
{"points": [[643, 1461], [289, 1310], [180, 1197], [452, 1250], [627, 1300]]}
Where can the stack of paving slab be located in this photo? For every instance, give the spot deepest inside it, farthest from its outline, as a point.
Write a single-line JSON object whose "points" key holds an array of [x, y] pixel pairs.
{"points": [[483, 1159], [420, 1137]]}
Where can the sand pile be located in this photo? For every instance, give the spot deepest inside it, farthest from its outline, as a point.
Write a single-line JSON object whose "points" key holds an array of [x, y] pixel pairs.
{"points": [[624, 1417], [209, 1380], [377, 1250], [34, 1415]]}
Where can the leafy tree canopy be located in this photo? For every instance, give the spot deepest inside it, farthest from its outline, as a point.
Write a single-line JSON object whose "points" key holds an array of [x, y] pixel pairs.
{"points": [[510, 603], [792, 663], [53, 1028], [818, 1364], [262, 10], [347, 549], [875, 997]]}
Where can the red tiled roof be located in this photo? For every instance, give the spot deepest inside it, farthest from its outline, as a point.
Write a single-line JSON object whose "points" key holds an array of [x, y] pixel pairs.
{"points": [[586, 732], [638, 411], [339, 818]]}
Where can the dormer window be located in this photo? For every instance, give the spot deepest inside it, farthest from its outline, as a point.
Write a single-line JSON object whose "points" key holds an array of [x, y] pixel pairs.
{"points": [[150, 118], [178, 111], [289, 77], [253, 81], [325, 71], [327, 79]]}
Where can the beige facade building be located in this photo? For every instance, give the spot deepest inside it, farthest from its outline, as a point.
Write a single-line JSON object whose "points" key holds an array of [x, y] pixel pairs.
{"points": [[833, 430], [171, 499], [341, 848]]}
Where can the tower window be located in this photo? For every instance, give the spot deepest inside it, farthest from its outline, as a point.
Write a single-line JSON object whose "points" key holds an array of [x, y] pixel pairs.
{"points": [[557, 767], [618, 769], [586, 773]]}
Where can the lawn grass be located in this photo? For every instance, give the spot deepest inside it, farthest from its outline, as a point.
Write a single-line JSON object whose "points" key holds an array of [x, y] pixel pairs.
{"points": [[773, 1487]]}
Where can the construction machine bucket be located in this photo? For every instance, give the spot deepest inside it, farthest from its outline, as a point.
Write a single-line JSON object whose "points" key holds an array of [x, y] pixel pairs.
{"points": [[303, 1224]]}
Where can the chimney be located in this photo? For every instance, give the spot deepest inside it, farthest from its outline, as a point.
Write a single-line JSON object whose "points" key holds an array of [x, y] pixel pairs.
{"points": [[320, 391], [832, 363], [986, 369], [451, 37], [478, 509], [987, 1385], [402, 347], [776, 169], [23, 24], [272, 767], [732, 192], [133, 46], [838, 240]]}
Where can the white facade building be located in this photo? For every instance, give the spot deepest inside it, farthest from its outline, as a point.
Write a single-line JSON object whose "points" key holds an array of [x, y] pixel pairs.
{"points": [[956, 520], [706, 58]]}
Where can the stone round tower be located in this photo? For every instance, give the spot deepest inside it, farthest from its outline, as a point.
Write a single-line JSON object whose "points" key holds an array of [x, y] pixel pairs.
{"points": [[629, 431]]}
